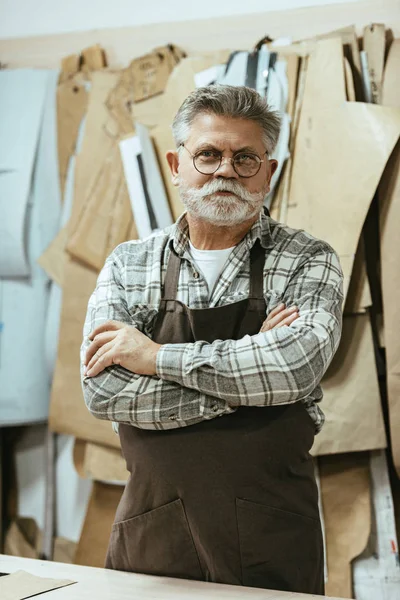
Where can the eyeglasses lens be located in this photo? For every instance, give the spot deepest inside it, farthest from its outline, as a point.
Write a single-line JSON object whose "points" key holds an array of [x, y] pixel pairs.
{"points": [[245, 165]]}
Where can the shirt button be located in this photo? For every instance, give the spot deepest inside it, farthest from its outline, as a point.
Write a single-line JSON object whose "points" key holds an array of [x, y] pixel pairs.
{"points": [[215, 408], [195, 274], [172, 417]]}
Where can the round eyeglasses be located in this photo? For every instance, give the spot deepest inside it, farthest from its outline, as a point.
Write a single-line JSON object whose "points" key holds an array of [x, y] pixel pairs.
{"points": [[207, 162]]}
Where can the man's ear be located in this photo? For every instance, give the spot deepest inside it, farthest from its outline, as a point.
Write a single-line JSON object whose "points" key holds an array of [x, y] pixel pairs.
{"points": [[273, 164], [172, 157]]}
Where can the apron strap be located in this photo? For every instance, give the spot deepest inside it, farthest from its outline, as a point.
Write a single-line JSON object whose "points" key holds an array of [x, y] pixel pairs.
{"points": [[172, 276], [257, 261]]}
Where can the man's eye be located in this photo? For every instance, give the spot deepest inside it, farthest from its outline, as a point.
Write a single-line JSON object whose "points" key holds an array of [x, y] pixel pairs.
{"points": [[245, 159], [208, 154]]}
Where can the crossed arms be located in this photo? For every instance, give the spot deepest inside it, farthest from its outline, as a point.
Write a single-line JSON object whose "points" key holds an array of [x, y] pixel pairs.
{"points": [[187, 383]]}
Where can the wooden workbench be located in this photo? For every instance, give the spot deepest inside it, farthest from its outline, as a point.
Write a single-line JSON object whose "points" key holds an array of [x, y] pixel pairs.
{"points": [[104, 584]]}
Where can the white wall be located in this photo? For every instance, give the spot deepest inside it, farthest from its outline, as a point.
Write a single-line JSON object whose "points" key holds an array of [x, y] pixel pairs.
{"points": [[19, 18]]}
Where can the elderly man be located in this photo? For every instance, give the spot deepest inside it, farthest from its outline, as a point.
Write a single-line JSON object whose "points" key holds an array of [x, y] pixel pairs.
{"points": [[217, 407]]}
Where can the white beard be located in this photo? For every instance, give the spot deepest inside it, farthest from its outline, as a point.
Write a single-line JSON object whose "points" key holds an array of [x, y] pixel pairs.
{"points": [[205, 204]]}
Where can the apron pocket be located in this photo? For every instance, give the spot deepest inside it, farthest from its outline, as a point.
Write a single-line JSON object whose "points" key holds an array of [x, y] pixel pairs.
{"points": [[279, 550], [158, 542]]}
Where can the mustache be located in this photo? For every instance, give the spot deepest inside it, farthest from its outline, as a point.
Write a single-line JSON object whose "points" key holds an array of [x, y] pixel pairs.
{"points": [[220, 185]]}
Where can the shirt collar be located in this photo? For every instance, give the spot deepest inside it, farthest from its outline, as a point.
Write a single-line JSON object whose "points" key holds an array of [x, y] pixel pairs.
{"points": [[260, 230]]}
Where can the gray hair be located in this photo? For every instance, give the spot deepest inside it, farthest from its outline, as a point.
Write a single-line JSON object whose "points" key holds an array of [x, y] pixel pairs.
{"points": [[237, 102]]}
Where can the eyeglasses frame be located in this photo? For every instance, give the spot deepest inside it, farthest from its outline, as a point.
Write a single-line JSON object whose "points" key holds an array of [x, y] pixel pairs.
{"points": [[232, 160]]}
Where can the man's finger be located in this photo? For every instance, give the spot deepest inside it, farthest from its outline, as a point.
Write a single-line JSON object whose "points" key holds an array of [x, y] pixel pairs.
{"points": [[278, 318], [276, 311], [102, 359], [101, 339], [288, 320], [98, 354], [107, 326]]}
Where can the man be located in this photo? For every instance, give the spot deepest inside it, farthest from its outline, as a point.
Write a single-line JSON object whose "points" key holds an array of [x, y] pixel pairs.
{"points": [[217, 406]]}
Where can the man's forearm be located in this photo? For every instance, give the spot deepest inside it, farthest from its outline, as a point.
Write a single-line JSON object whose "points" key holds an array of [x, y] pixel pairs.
{"points": [[276, 367], [147, 402]]}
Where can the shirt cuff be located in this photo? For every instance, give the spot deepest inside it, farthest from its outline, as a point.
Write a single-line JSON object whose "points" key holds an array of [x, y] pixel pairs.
{"points": [[170, 362]]}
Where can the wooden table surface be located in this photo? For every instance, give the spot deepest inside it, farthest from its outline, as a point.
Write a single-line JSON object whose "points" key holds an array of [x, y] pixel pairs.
{"points": [[104, 584]]}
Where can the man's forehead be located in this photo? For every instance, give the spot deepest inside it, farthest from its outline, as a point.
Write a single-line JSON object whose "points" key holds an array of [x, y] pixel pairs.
{"points": [[222, 131]]}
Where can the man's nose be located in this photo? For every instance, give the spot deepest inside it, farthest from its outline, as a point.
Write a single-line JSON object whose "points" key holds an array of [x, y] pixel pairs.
{"points": [[226, 169]]}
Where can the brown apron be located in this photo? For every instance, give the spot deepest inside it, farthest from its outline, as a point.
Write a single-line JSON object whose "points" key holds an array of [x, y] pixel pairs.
{"points": [[232, 499]]}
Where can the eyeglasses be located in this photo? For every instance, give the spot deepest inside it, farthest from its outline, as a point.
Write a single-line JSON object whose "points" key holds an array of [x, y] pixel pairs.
{"points": [[207, 162]]}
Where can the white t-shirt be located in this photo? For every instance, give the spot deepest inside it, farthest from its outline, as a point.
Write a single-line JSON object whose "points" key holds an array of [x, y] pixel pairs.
{"points": [[210, 263]]}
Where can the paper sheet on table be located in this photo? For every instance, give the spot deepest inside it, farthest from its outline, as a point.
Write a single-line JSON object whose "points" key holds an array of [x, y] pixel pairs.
{"points": [[20, 123], [351, 403], [345, 491], [21, 585], [24, 300], [341, 152]]}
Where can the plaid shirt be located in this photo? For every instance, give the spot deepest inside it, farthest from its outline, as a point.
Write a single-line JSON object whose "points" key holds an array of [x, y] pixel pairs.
{"points": [[197, 381]]}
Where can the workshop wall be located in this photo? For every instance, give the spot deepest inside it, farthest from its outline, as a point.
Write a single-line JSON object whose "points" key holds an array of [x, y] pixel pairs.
{"points": [[19, 18], [92, 101]]}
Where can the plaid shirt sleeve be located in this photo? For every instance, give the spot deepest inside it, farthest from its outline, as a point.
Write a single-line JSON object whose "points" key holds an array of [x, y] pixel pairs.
{"points": [[118, 395], [280, 366]]}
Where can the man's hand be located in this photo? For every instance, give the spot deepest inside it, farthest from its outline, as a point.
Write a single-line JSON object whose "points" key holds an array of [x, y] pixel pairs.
{"points": [[279, 317], [115, 343]]}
